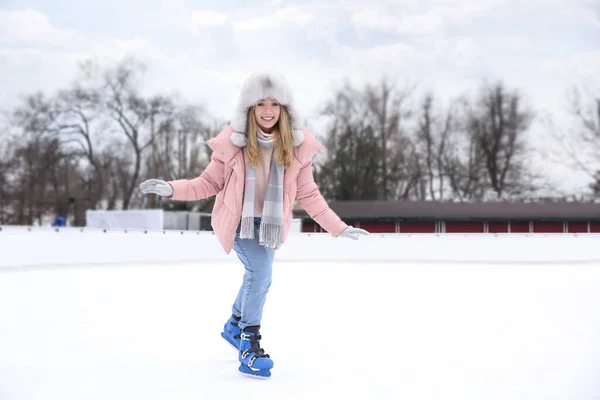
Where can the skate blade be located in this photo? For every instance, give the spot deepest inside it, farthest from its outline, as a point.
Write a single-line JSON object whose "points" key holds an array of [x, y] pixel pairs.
{"points": [[254, 373], [263, 377]]}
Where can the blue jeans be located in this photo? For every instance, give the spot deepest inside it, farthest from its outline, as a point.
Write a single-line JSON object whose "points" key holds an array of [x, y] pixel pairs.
{"points": [[258, 261]]}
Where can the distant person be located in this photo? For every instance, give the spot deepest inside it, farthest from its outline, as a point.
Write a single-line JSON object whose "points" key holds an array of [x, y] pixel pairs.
{"points": [[59, 221], [261, 163]]}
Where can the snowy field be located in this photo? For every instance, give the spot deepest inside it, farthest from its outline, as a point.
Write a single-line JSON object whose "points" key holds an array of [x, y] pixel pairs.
{"points": [[378, 329]]}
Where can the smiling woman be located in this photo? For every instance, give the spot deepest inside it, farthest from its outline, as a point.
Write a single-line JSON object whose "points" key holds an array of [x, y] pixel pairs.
{"points": [[261, 164]]}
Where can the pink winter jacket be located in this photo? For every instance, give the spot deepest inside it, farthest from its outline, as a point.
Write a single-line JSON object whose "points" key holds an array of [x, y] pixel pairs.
{"points": [[224, 177]]}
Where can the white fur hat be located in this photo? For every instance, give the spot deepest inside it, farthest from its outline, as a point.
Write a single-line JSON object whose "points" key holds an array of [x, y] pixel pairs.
{"points": [[261, 85]]}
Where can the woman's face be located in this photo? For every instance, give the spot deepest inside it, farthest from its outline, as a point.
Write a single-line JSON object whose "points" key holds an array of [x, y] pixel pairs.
{"points": [[266, 113]]}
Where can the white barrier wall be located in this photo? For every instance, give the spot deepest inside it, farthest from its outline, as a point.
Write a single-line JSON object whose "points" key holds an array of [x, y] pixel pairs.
{"points": [[155, 219], [23, 246], [125, 219]]}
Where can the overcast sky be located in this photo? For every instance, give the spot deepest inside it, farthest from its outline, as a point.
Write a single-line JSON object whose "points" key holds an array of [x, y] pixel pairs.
{"points": [[205, 49]]}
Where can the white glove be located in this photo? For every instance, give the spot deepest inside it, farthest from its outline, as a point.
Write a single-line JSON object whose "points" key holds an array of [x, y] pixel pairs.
{"points": [[160, 187], [352, 233]]}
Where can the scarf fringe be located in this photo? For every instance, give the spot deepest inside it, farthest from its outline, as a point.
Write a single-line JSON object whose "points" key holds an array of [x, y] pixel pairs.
{"points": [[247, 229], [271, 235]]}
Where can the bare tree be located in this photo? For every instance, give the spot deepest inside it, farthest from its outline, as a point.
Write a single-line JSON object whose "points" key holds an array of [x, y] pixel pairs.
{"points": [[583, 148], [433, 138], [34, 162], [135, 116], [388, 110], [463, 157], [116, 166], [67, 120], [183, 146], [368, 149], [499, 121], [6, 155], [182, 151], [77, 121], [351, 171], [95, 138]]}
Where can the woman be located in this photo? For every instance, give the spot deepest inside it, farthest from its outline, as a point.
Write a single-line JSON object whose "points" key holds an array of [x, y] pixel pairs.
{"points": [[261, 163]]}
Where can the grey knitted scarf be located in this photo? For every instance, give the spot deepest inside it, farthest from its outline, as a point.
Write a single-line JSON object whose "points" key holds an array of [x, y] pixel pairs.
{"points": [[271, 225]]}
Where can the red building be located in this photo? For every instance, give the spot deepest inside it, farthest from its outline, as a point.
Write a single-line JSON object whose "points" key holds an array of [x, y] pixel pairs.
{"points": [[483, 217]]}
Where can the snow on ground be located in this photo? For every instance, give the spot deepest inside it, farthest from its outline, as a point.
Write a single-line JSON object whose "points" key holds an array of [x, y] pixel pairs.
{"points": [[334, 330]]}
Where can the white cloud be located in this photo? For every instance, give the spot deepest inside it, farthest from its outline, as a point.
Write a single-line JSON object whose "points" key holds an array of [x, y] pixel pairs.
{"points": [[115, 49], [201, 19], [273, 38], [509, 41], [578, 67], [173, 4], [55, 68], [279, 19], [31, 26], [584, 16], [407, 18], [406, 24], [466, 52], [394, 56], [206, 49], [458, 51], [53, 53], [106, 52]]}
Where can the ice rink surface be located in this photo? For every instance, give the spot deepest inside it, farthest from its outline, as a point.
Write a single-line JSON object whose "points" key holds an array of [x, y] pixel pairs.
{"points": [[334, 330]]}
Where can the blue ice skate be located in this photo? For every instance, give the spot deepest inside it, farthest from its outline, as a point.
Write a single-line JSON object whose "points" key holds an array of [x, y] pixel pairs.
{"points": [[253, 360], [231, 331]]}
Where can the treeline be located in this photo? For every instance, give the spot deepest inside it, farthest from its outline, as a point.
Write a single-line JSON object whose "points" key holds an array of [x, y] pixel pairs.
{"points": [[89, 145], [385, 143], [382, 146]]}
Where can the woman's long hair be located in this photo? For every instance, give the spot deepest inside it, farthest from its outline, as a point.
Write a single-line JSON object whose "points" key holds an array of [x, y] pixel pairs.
{"points": [[283, 151]]}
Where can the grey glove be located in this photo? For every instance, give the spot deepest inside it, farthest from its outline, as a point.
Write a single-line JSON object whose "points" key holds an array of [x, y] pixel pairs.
{"points": [[160, 187], [352, 232]]}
